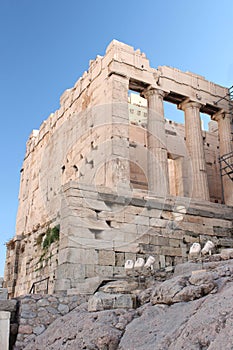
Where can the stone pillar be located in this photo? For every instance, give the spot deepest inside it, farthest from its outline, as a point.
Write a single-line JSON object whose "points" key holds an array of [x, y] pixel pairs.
{"points": [[194, 143], [158, 177], [225, 146], [116, 170], [4, 329]]}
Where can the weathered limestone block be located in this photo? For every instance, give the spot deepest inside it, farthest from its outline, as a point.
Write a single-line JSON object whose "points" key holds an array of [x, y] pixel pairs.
{"points": [[106, 257], [120, 259], [104, 271], [78, 256], [71, 271], [89, 286], [120, 286], [186, 268], [226, 254], [104, 301]]}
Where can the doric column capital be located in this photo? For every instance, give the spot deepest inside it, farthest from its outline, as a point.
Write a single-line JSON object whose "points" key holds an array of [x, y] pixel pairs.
{"points": [[151, 92], [189, 104], [222, 114]]}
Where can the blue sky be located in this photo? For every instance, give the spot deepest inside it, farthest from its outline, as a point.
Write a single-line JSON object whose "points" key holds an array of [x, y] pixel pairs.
{"points": [[46, 46]]}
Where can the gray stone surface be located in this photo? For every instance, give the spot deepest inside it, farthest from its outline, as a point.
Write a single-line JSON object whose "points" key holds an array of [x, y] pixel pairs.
{"points": [[120, 286], [201, 324], [181, 288], [104, 301], [8, 305], [3, 293], [187, 268], [83, 330], [89, 286]]}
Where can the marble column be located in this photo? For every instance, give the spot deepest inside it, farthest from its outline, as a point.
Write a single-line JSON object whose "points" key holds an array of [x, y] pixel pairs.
{"points": [[225, 146], [158, 178], [194, 144]]}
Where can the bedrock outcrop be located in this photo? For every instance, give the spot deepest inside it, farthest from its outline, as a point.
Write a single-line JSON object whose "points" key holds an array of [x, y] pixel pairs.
{"points": [[192, 310]]}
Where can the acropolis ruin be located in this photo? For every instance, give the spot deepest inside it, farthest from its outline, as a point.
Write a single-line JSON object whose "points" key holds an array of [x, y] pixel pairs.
{"points": [[108, 178]]}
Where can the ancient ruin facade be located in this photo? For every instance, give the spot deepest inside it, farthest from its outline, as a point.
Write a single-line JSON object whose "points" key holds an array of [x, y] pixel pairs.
{"points": [[100, 186]]}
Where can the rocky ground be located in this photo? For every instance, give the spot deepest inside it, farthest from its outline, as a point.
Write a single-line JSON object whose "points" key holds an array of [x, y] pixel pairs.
{"points": [[192, 310]]}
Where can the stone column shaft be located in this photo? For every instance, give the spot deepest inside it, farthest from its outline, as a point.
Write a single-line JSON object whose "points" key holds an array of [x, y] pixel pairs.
{"points": [[194, 143], [158, 178], [225, 147]]}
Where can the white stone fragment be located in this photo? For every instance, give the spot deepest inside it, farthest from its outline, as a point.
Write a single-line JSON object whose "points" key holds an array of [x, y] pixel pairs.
{"points": [[207, 247], [150, 261], [129, 264], [139, 263], [195, 249]]}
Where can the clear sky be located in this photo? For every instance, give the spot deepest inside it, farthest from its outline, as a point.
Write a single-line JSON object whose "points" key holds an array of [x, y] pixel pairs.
{"points": [[46, 46]]}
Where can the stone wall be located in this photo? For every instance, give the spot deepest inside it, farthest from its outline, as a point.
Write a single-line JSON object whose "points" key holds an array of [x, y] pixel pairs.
{"points": [[37, 312], [31, 314], [32, 259], [101, 230]]}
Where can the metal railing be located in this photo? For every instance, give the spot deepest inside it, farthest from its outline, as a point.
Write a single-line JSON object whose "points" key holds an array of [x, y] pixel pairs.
{"points": [[226, 165], [32, 289]]}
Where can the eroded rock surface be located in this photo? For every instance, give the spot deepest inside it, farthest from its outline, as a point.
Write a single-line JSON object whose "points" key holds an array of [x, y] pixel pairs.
{"points": [[81, 329], [190, 312], [206, 323]]}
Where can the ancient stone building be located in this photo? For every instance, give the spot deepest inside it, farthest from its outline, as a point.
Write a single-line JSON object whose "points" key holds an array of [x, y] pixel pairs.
{"points": [[100, 185]]}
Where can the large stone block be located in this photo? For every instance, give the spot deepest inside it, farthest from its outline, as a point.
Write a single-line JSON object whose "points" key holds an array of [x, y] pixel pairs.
{"points": [[8, 305], [88, 287], [62, 284], [78, 256], [155, 222], [106, 257], [104, 271], [3, 293], [103, 301], [120, 259], [71, 271]]}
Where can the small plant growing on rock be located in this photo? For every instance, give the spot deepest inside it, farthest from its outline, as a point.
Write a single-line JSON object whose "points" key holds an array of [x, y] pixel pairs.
{"points": [[11, 244], [51, 236]]}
